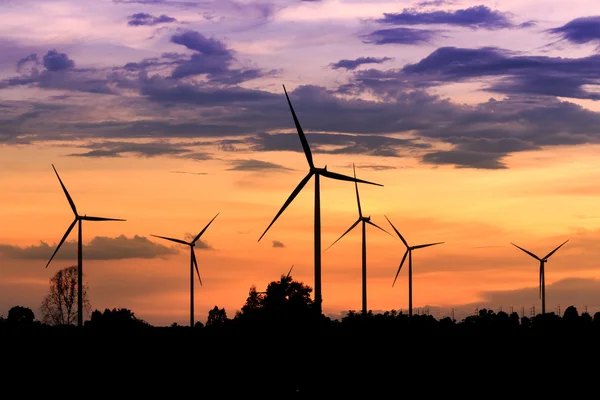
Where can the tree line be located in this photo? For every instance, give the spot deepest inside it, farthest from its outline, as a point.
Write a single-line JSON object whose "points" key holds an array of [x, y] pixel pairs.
{"points": [[285, 306]]}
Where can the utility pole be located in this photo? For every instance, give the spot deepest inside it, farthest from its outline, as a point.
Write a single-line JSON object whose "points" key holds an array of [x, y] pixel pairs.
{"points": [[559, 310], [500, 307], [533, 311], [453, 315], [511, 310]]}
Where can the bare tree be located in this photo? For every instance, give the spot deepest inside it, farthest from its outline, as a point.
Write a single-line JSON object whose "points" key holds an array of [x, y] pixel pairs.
{"points": [[60, 305]]}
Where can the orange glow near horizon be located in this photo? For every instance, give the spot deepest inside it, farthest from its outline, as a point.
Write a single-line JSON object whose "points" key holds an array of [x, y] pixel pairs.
{"points": [[540, 201]]}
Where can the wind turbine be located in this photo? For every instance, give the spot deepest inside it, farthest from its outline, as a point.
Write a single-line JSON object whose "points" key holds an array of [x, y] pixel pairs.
{"points": [[317, 172], [365, 221], [409, 250], [542, 273], [77, 220], [193, 264]]}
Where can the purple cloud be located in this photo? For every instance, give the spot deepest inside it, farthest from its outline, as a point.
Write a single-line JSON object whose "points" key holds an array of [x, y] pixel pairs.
{"points": [[145, 19], [472, 17], [580, 30], [55, 61], [400, 36], [353, 64]]}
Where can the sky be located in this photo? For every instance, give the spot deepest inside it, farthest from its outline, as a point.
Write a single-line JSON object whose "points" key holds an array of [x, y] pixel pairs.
{"points": [[479, 118]]}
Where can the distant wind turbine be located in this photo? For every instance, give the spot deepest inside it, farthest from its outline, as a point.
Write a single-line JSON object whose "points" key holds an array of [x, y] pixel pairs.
{"points": [[193, 264], [408, 252], [289, 272], [77, 220], [542, 273], [365, 221], [317, 172]]}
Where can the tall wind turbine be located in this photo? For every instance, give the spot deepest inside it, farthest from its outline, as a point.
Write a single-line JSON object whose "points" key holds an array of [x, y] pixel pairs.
{"points": [[409, 250], [77, 220], [542, 273], [365, 221], [193, 264], [317, 172]]}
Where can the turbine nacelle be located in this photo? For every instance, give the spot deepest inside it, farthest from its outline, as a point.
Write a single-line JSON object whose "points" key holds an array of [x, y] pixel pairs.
{"points": [[366, 219], [316, 170]]}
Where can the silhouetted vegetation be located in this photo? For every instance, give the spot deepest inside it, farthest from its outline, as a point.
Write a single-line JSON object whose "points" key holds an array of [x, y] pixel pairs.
{"points": [[286, 308]]}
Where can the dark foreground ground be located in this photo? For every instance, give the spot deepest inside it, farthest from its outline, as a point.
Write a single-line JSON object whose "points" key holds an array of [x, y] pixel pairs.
{"points": [[308, 362]]}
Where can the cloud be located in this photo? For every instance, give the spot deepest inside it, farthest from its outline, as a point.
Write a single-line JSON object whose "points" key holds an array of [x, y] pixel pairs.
{"points": [[465, 159], [376, 167], [353, 64], [472, 17], [118, 149], [375, 145], [516, 74], [212, 58], [145, 19], [408, 36], [255, 165], [277, 243], [191, 173], [434, 3], [99, 248], [55, 61], [579, 31], [565, 292]]}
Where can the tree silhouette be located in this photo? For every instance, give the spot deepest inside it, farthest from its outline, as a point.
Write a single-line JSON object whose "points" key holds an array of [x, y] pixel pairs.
{"points": [[216, 317], [59, 307], [20, 315]]}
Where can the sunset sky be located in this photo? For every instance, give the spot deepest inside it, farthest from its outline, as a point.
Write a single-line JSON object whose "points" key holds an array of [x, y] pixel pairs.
{"points": [[480, 118]]}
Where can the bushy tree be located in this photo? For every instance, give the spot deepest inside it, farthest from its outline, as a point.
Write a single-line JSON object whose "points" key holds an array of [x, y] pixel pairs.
{"points": [[20, 315]]}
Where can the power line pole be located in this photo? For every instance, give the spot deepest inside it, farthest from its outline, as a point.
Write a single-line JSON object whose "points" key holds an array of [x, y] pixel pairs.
{"points": [[559, 310], [533, 311], [522, 312], [511, 310], [453, 315]]}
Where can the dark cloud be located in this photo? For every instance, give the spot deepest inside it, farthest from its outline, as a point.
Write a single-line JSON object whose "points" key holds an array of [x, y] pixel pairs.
{"points": [[580, 30], [353, 64], [99, 248], [145, 19], [465, 159], [472, 17], [517, 74], [118, 149], [277, 243], [376, 167], [213, 58], [55, 61], [255, 165], [407, 36], [375, 145]]}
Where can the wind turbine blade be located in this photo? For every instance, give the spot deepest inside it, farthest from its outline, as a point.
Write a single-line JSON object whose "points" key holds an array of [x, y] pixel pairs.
{"points": [[290, 271], [172, 240], [426, 245], [553, 251], [398, 233], [340, 177], [357, 196], [289, 200], [86, 218], [344, 234], [400, 267], [66, 192], [378, 227], [205, 228], [526, 251], [305, 145], [69, 229], [196, 265]]}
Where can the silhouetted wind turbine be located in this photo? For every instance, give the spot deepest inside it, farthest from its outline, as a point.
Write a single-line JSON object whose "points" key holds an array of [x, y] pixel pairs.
{"points": [[317, 172], [193, 264], [542, 273], [365, 221], [408, 252], [77, 220]]}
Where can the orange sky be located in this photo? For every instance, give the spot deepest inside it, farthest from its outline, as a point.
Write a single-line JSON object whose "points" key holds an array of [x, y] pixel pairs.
{"points": [[543, 199]]}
